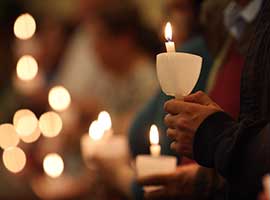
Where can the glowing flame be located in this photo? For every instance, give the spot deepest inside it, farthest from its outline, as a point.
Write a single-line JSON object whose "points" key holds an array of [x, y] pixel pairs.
{"points": [[154, 138], [24, 26], [96, 131], [168, 31], [59, 98], [27, 68], [105, 121], [53, 165]]}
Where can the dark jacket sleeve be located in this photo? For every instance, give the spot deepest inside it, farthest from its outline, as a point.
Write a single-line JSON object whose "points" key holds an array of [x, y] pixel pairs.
{"points": [[239, 151]]}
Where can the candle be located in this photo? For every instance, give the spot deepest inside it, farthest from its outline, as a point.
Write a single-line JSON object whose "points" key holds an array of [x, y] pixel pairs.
{"points": [[147, 165], [154, 140], [99, 132], [168, 35], [177, 73]]}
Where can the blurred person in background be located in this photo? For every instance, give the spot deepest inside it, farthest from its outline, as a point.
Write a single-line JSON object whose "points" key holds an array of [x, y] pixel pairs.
{"points": [[127, 48]]}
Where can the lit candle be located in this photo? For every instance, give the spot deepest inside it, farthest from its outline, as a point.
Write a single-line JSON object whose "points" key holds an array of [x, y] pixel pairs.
{"points": [[168, 35], [177, 72], [99, 132], [154, 140]]}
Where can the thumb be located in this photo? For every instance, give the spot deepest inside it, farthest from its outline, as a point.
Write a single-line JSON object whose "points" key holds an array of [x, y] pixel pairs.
{"points": [[198, 97]]}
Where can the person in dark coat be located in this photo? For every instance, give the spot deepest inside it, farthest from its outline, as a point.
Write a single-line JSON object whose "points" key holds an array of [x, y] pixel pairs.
{"points": [[237, 150]]}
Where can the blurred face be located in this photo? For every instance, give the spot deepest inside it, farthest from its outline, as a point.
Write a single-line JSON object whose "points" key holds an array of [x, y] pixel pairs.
{"points": [[109, 48], [88, 7]]}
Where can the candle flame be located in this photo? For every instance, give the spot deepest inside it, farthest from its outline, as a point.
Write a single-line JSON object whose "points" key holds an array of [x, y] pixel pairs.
{"points": [[104, 119], [168, 31], [96, 131], [154, 137]]}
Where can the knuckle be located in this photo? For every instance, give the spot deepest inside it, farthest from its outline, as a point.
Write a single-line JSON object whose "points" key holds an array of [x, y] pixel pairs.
{"points": [[200, 93]]}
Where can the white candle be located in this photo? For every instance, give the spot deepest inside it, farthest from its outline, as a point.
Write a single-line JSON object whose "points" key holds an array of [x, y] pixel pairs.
{"points": [[154, 140], [168, 35]]}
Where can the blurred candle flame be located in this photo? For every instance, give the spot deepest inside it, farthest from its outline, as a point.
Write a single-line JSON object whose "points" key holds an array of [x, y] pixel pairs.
{"points": [[59, 98], [154, 137], [27, 68], [105, 121], [53, 165], [96, 131], [24, 26]]}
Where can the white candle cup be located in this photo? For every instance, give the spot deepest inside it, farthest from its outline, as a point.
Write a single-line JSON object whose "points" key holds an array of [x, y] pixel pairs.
{"points": [[147, 165], [178, 73], [107, 150]]}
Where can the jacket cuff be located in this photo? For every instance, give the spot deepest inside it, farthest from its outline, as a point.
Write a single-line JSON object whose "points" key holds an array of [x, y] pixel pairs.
{"points": [[205, 140]]}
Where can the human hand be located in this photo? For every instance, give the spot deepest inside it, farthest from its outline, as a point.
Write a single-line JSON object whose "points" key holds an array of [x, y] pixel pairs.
{"points": [[189, 181], [184, 118]]}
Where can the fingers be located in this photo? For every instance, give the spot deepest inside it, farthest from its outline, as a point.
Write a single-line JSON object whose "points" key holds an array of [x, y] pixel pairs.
{"points": [[198, 97], [175, 107], [160, 179], [176, 121], [172, 133]]}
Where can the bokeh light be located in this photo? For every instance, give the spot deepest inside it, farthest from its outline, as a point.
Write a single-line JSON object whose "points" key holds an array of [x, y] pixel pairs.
{"points": [[8, 136], [27, 68], [53, 165], [96, 131], [105, 121], [24, 26], [25, 122], [59, 98], [14, 159], [50, 124], [33, 137]]}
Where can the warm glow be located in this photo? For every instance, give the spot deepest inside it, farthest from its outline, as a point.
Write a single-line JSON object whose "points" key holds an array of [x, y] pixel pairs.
{"points": [[53, 165], [96, 131], [24, 26], [50, 124], [27, 68], [105, 121], [25, 122], [59, 98], [14, 159], [33, 137], [8, 136], [154, 138], [168, 31]]}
